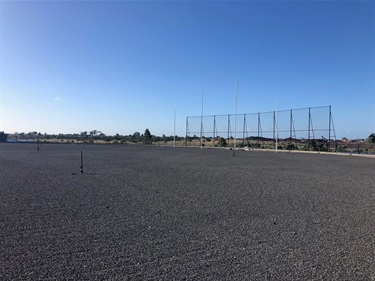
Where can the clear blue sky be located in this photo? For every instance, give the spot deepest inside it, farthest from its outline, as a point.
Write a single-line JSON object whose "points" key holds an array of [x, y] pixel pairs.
{"points": [[123, 66]]}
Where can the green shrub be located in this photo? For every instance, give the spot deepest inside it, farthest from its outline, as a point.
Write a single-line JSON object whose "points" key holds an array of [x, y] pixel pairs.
{"points": [[222, 142]]}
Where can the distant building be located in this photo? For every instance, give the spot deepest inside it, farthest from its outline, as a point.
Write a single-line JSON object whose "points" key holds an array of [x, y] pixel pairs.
{"points": [[3, 137]]}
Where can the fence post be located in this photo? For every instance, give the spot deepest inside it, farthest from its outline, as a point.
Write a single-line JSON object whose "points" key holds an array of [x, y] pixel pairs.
{"points": [[274, 127], [258, 125], [329, 130], [228, 127], [308, 134], [187, 126]]}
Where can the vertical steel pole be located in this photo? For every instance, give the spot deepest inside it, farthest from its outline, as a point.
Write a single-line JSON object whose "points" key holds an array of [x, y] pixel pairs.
{"points": [[174, 130], [277, 124], [235, 118], [187, 126], [202, 119], [291, 124], [214, 134], [228, 127], [329, 130], [308, 135], [274, 126], [258, 125], [244, 127]]}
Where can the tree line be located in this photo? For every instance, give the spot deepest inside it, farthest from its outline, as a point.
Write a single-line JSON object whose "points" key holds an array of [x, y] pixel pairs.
{"points": [[93, 136], [96, 136]]}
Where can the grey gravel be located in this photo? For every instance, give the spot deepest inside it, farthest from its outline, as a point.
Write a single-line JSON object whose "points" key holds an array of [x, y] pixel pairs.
{"points": [[160, 213]]}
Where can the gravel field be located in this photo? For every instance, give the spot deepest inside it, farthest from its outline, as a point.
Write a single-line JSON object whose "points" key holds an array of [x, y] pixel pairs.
{"points": [[140, 213]]}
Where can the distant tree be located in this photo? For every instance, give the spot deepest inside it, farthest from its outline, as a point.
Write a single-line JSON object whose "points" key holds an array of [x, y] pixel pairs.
{"points": [[33, 134], [222, 142], [93, 133], [147, 137], [3, 137], [312, 144], [136, 137], [371, 138]]}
